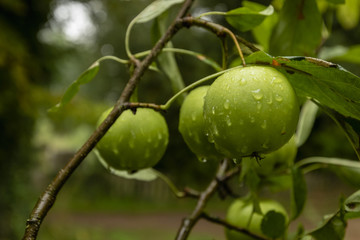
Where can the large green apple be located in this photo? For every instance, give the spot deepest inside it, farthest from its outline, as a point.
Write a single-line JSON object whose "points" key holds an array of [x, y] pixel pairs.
{"points": [[250, 110]]}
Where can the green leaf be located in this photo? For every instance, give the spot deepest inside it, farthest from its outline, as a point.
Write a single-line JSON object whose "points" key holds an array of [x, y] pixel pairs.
{"points": [[249, 16], [262, 32], [328, 83], [146, 175], [155, 9], [73, 89], [273, 224], [298, 31], [306, 121], [352, 206], [298, 192], [333, 228], [166, 60], [350, 126]]}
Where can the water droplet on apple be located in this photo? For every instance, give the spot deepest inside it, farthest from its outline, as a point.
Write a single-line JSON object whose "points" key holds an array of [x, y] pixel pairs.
{"points": [[257, 94], [278, 98], [264, 124], [228, 121], [193, 116], [226, 104]]}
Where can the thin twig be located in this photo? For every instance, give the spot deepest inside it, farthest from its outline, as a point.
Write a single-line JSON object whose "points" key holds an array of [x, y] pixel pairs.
{"points": [[230, 226], [48, 197], [189, 222], [134, 105]]}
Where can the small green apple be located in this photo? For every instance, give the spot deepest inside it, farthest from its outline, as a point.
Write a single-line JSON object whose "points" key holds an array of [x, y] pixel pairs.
{"points": [[134, 141], [240, 214]]}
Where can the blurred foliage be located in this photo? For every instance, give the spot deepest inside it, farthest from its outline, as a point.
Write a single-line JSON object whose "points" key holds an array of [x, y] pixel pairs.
{"points": [[40, 57]]}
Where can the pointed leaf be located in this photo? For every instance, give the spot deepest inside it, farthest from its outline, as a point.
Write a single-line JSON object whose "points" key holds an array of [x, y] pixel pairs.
{"points": [[352, 206], [155, 9], [273, 224], [333, 228], [306, 121], [166, 60], [298, 31], [298, 193], [249, 16], [350, 126], [73, 89], [328, 83]]}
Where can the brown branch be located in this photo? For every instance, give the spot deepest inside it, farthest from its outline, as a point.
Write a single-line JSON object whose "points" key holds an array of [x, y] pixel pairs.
{"points": [[189, 222], [48, 197], [135, 105], [230, 226], [218, 29]]}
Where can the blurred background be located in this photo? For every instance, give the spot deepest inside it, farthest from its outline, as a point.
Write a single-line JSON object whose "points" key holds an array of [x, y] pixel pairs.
{"points": [[44, 46]]}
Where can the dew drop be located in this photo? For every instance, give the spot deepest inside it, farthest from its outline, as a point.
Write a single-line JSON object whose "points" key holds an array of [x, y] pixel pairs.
{"points": [[236, 160], [193, 116], [226, 104], [213, 110], [257, 94], [278, 98], [264, 124], [283, 130], [270, 99], [228, 121], [160, 136], [243, 81], [202, 159], [215, 130], [252, 119]]}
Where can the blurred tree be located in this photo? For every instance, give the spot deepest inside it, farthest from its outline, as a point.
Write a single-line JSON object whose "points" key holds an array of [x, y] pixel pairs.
{"points": [[22, 64]]}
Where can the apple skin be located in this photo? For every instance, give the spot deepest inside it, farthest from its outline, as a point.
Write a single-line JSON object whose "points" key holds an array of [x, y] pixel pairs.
{"points": [[278, 160], [250, 110], [239, 214], [192, 126], [134, 141]]}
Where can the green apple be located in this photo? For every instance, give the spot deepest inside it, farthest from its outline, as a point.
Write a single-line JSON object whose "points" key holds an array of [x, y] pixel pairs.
{"points": [[278, 160], [134, 141], [240, 214], [250, 110], [191, 125]]}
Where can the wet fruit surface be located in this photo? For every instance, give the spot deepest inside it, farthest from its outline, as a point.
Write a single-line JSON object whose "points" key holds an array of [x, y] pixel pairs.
{"points": [[135, 141], [191, 125], [278, 160], [250, 110], [240, 214]]}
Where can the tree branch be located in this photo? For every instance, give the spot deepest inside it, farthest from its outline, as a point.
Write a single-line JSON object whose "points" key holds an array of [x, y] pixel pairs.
{"points": [[48, 197], [189, 222]]}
